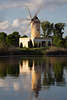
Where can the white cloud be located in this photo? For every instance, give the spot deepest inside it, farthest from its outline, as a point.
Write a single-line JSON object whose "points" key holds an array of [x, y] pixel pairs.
{"points": [[17, 22], [32, 4], [4, 25], [20, 25]]}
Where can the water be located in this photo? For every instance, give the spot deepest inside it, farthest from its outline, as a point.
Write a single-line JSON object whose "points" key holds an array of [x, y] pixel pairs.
{"points": [[33, 78]]}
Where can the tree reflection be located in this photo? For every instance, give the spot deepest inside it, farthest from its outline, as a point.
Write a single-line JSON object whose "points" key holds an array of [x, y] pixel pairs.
{"points": [[13, 70], [3, 69], [58, 72], [9, 68]]}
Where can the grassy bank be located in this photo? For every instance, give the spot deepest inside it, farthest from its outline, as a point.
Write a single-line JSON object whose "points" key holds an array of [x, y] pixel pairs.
{"points": [[21, 51], [53, 51]]}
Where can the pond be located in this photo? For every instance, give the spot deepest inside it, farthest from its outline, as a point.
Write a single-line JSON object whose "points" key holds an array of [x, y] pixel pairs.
{"points": [[33, 78]]}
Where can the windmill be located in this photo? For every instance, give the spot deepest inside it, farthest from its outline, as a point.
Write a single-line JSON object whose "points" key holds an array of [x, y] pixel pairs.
{"points": [[34, 23]]}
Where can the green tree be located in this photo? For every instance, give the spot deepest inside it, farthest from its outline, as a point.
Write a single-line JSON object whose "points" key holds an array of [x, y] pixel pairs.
{"points": [[58, 41], [52, 29], [47, 28], [24, 36], [59, 29], [13, 39], [3, 36], [65, 42]]}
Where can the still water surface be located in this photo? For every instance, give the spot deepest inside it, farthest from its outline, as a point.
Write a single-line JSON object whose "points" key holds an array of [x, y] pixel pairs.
{"points": [[33, 78]]}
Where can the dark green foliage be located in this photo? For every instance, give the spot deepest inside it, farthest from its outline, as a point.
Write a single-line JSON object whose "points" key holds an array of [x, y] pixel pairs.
{"points": [[65, 42], [35, 45], [3, 45], [21, 45], [3, 36], [47, 28], [24, 36], [13, 39], [59, 29], [52, 29], [30, 44], [58, 41]]}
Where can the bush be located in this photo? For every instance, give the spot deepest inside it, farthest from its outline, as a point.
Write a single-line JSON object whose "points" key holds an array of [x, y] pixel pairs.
{"points": [[21, 45], [58, 41], [30, 44], [65, 44]]}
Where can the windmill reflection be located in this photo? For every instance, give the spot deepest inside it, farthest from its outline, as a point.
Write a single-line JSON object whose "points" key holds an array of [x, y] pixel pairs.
{"points": [[44, 73]]}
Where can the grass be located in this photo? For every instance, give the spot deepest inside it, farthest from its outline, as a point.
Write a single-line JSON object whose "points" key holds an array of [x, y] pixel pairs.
{"points": [[49, 51]]}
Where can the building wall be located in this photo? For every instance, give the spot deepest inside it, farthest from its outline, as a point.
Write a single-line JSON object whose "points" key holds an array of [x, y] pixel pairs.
{"points": [[24, 41], [38, 41]]}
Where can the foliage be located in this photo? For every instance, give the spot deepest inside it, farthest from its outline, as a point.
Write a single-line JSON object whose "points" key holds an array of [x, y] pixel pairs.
{"points": [[65, 42], [47, 28], [3, 40], [59, 29], [21, 45], [30, 44], [52, 29], [13, 39], [3, 36], [57, 41], [24, 36]]}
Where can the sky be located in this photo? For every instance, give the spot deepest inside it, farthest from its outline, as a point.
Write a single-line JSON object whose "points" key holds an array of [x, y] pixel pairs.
{"points": [[13, 13]]}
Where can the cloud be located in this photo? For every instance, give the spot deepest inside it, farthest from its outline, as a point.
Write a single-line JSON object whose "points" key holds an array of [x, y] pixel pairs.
{"points": [[20, 25], [32, 4], [4, 25], [19, 21]]}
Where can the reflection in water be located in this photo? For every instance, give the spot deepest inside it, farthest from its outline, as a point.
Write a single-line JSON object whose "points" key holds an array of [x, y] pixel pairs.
{"points": [[9, 67], [44, 73], [33, 74]]}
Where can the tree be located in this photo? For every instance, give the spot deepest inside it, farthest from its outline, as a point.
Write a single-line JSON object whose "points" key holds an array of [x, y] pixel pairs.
{"points": [[65, 42], [59, 29], [24, 36], [3, 36], [47, 28], [3, 40], [52, 29], [58, 41], [13, 39]]}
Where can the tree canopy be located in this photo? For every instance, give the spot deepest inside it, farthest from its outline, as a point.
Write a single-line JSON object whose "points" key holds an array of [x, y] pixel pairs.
{"points": [[13, 39], [52, 29]]}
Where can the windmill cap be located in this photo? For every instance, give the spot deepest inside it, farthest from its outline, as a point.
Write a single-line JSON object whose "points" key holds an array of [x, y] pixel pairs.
{"points": [[35, 18]]}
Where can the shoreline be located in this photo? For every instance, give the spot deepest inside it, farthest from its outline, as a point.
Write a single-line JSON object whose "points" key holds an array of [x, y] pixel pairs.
{"points": [[35, 52]]}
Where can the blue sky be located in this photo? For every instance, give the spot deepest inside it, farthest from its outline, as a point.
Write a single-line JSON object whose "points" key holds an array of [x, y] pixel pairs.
{"points": [[13, 13]]}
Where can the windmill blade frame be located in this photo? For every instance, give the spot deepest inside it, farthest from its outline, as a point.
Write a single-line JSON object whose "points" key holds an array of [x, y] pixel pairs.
{"points": [[38, 11], [29, 12]]}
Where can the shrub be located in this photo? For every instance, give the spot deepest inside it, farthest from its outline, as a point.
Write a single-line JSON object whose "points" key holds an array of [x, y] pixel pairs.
{"points": [[58, 41], [30, 44]]}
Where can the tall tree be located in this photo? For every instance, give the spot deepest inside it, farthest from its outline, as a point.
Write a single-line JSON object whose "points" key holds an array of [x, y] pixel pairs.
{"points": [[47, 28], [3, 36], [58, 30]]}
